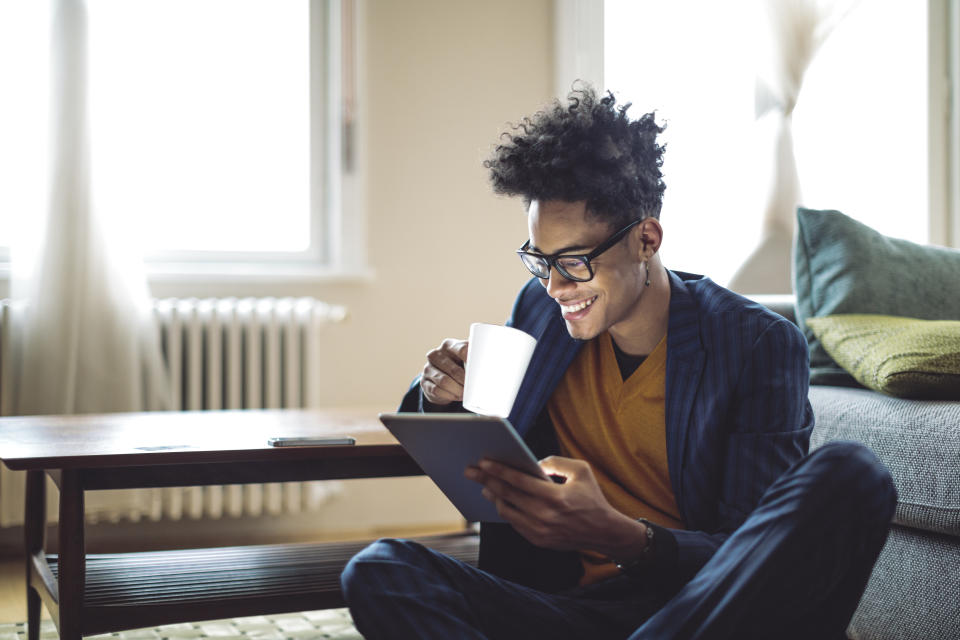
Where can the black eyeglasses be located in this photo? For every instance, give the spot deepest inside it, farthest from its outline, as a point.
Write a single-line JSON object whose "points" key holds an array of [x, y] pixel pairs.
{"points": [[571, 267]]}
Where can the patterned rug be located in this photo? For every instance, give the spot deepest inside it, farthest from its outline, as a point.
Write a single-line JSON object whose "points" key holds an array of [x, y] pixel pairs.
{"points": [[310, 625]]}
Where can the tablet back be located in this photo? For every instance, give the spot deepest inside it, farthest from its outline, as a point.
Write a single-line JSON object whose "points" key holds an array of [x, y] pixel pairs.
{"points": [[444, 444]]}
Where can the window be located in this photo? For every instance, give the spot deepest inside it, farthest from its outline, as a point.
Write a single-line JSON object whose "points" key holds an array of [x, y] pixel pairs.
{"points": [[221, 129], [860, 126]]}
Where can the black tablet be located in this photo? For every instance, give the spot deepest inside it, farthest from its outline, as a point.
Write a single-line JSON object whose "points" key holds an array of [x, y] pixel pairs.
{"points": [[445, 444]]}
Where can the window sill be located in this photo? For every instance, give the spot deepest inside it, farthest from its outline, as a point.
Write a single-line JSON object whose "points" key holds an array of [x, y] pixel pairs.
{"points": [[220, 272], [263, 273]]}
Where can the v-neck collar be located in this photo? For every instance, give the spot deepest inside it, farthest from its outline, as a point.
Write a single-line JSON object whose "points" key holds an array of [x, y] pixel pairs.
{"points": [[655, 360]]}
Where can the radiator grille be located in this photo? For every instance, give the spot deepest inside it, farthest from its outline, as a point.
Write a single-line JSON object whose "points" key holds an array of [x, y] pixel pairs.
{"points": [[252, 353]]}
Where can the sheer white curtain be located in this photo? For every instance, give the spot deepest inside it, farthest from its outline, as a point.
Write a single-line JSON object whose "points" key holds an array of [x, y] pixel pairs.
{"points": [[797, 29], [84, 339]]}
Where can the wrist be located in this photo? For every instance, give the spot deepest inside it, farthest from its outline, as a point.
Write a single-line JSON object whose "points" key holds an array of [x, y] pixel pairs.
{"points": [[629, 540], [429, 406], [641, 552]]}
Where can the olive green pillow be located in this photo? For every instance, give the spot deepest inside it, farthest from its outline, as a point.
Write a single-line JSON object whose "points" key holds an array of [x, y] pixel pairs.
{"points": [[902, 357], [844, 266]]}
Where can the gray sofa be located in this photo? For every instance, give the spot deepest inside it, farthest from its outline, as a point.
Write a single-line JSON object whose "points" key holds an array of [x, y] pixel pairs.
{"points": [[914, 592]]}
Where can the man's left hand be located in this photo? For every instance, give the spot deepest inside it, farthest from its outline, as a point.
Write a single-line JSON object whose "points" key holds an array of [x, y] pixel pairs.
{"points": [[568, 516]]}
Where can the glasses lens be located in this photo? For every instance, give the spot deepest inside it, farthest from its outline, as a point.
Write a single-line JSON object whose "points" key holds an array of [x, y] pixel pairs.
{"points": [[574, 268], [537, 266]]}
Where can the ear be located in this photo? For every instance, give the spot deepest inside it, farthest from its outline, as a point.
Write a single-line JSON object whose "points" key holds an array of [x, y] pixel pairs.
{"points": [[650, 235]]}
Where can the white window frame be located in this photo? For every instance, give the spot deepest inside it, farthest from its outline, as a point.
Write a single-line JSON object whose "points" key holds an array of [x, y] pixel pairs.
{"points": [[338, 218], [944, 134], [338, 223], [578, 44], [578, 34]]}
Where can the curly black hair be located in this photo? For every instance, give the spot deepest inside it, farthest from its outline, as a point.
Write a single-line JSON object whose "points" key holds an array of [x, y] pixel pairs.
{"points": [[585, 150]]}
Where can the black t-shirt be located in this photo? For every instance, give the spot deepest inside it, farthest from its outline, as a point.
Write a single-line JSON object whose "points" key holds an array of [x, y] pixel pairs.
{"points": [[627, 363]]}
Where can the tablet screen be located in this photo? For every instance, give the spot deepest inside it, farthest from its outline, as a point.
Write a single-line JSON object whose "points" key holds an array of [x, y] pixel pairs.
{"points": [[445, 444]]}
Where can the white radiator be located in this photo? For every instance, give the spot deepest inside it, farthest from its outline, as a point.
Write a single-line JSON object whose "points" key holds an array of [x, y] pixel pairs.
{"points": [[252, 353], [223, 353]]}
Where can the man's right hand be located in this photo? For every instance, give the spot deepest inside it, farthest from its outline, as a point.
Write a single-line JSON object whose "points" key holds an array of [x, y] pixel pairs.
{"points": [[442, 377]]}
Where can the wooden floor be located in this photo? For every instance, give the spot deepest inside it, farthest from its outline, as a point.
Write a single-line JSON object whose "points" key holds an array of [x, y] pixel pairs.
{"points": [[13, 592]]}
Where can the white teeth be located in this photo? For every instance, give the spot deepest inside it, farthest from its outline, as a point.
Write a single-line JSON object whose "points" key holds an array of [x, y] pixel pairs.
{"points": [[577, 307]]}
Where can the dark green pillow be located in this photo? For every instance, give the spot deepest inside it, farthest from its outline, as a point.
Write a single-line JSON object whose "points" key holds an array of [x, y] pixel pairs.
{"points": [[844, 266], [902, 357]]}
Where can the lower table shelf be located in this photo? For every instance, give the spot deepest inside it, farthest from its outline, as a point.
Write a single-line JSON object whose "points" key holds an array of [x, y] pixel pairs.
{"points": [[132, 590]]}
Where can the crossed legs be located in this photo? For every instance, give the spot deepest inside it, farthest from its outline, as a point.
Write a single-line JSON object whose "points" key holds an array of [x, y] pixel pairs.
{"points": [[795, 569], [799, 564]]}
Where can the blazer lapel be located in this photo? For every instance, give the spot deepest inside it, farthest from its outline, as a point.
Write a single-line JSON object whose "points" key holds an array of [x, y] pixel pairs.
{"points": [[685, 361], [554, 352]]}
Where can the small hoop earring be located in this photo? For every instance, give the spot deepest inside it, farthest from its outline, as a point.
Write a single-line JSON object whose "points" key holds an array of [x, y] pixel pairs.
{"points": [[646, 265]]}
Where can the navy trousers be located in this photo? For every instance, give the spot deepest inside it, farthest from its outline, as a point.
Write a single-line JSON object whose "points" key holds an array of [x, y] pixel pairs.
{"points": [[796, 568]]}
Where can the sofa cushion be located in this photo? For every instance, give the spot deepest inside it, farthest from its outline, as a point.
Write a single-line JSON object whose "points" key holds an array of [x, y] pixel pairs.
{"points": [[903, 357], [918, 440], [912, 593], [844, 266]]}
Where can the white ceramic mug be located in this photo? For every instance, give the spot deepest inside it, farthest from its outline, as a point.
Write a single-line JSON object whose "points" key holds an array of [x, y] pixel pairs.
{"points": [[497, 360]]}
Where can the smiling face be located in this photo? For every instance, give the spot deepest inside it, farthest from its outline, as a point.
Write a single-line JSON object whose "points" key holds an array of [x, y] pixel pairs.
{"points": [[612, 299]]}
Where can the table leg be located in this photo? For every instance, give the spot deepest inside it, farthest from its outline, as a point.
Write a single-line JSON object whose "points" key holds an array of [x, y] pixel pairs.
{"points": [[34, 536], [72, 562]]}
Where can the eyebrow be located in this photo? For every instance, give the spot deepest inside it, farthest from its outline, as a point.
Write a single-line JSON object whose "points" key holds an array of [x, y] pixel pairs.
{"points": [[574, 247]]}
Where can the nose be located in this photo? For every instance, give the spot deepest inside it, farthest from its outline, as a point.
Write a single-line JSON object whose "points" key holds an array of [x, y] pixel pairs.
{"points": [[557, 283]]}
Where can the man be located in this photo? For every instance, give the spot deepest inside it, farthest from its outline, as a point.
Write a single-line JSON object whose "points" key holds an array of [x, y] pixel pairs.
{"points": [[675, 410]]}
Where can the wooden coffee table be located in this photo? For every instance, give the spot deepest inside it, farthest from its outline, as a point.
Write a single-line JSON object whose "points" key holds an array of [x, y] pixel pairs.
{"points": [[92, 594]]}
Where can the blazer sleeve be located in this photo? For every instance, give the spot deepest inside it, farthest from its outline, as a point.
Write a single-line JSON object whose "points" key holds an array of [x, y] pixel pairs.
{"points": [[768, 430]]}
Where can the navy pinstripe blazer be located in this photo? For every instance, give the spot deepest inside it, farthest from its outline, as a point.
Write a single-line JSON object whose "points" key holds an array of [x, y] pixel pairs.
{"points": [[737, 416]]}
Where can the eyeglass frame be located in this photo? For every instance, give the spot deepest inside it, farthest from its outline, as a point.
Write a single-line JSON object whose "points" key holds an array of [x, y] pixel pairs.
{"points": [[551, 260]]}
